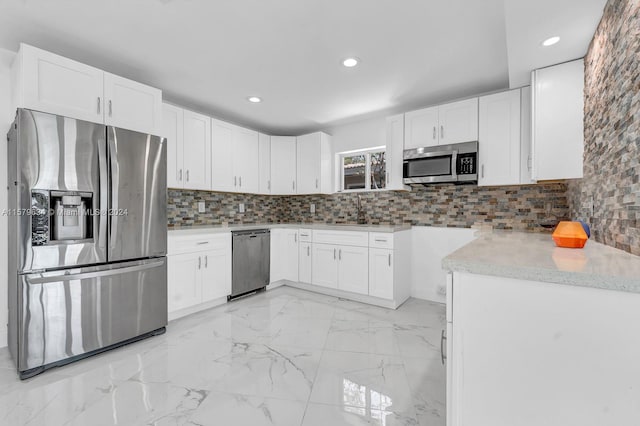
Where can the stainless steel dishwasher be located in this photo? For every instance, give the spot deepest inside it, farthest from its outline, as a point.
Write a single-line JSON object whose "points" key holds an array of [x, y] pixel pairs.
{"points": [[251, 261]]}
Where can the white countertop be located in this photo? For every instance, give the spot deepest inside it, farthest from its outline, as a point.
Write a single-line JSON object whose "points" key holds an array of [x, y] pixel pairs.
{"points": [[199, 229], [535, 257]]}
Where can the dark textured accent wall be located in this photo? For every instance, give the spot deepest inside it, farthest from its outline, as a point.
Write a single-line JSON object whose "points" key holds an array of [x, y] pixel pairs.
{"points": [[611, 182], [524, 207]]}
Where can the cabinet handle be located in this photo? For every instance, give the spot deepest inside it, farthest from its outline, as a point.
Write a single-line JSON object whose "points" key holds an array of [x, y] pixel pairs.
{"points": [[340, 254], [240, 180], [443, 338], [482, 171], [378, 240], [235, 181], [308, 251], [110, 108], [434, 132], [316, 183], [187, 175], [334, 254], [180, 176], [389, 259], [441, 131], [293, 185], [529, 162], [206, 261], [269, 185], [99, 104], [295, 238], [202, 243], [199, 262]]}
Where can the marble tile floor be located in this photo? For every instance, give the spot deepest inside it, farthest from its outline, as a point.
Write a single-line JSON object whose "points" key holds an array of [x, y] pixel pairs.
{"points": [[282, 357]]}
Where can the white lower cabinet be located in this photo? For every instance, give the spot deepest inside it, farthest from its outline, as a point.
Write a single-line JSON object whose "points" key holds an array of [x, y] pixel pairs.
{"points": [[199, 271], [325, 265], [185, 281], [284, 254], [353, 269], [304, 263], [216, 274], [381, 273]]}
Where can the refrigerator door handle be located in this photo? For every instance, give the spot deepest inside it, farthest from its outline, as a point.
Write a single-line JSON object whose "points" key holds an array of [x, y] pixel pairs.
{"points": [[114, 172], [93, 274], [103, 185]]}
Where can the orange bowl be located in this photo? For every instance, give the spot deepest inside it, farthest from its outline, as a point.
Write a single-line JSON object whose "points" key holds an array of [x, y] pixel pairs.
{"points": [[570, 235]]}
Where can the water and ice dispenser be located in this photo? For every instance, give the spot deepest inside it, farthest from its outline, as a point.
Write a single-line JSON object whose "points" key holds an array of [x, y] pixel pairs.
{"points": [[59, 216]]}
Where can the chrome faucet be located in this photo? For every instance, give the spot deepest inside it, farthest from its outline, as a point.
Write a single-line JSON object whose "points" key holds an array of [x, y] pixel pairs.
{"points": [[360, 214]]}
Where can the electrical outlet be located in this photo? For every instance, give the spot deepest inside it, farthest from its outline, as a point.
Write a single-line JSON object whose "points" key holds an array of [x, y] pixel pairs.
{"points": [[312, 208], [201, 207], [241, 207]]}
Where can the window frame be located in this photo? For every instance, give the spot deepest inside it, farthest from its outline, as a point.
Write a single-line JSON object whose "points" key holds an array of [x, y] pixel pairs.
{"points": [[340, 157]]}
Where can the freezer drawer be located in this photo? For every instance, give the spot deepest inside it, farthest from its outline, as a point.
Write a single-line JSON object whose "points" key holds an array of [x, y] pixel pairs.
{"points": [[71, 312]]}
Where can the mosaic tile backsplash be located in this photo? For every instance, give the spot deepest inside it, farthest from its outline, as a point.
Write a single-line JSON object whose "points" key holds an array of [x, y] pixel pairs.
{"points": [[611, 182], [525, 207]]}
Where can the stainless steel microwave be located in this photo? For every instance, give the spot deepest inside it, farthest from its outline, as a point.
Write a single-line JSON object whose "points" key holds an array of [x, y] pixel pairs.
{"points": [[455, 163]]}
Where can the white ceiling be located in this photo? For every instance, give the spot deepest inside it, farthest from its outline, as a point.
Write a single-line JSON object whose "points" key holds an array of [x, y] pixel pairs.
{"points": [[210, 55]]}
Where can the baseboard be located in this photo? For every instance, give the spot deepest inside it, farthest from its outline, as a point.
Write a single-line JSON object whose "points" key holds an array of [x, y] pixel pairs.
{"points": [[197, 308], [362, 298]]}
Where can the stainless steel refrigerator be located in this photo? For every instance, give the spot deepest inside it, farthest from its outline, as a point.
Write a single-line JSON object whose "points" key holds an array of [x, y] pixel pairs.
{"points": [[87, 239]]}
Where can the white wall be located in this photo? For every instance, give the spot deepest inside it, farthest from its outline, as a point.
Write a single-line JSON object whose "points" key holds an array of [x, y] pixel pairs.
{"points": [[6, 118], [429, 245], [359, 135]]}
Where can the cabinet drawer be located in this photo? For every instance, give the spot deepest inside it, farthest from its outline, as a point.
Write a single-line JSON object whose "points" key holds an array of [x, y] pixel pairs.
{"points": [[305, 235], [381, 240], [345, 238], [196, 243]]}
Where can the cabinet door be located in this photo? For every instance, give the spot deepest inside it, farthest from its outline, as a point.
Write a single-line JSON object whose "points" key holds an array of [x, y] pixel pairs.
{"points": [[57, 85], [394, 151], [308, 164], [246, 160], [353, 269], [264, 152], [283, 165], [421, 128], [222, 150], [185, 280], [499, 139], [132, 105], [197, 151], [216, 274], [324, 260], [304, 263], [290, 250], [172, 129], [558, 121], [526, 154], [458, 121], [381, 273]]}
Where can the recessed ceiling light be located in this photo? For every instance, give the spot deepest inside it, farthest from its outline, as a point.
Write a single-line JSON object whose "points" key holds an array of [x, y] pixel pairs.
{"points": [[551, 41], [350, 62], [254, 99]]}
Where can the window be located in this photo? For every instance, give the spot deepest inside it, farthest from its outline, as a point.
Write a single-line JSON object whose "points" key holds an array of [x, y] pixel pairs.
{"points": [[363, 170]]}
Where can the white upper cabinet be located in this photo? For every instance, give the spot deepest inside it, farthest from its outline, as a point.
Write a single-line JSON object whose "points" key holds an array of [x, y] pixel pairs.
{"points": [[499, 139], [440, 125], [458, 121], [314, 172], [197, 151], [394, 151], [172, 129], [558, 121], [421, 128], [264, 152], [526, 154], [132, 105], [222, 177], [283, 165], [47, 82], [246, 160], [235, 158]]}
